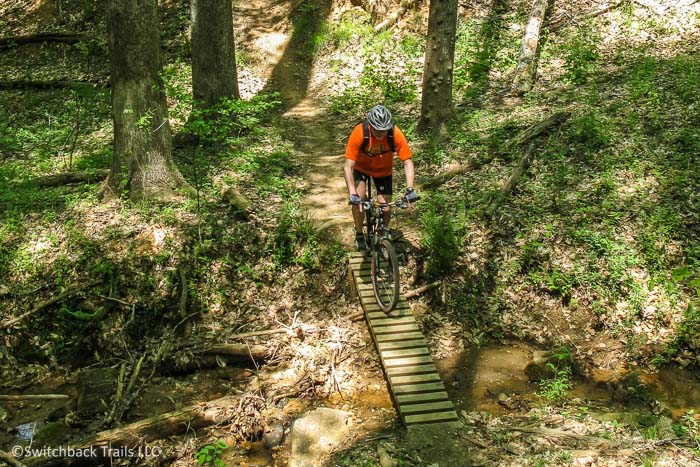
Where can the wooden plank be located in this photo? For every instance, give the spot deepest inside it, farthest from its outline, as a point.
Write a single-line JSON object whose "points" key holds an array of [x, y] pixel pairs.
{"points": [[411, 370], [369, 304], [359, 259], [400, 328], [402, 389], [435, 417], [394, 314], [366, 293], [424, 397], [422, 360], [427, 407], [403, 353], [405, 336], [381, 322], [434, 377], [407, 344]]}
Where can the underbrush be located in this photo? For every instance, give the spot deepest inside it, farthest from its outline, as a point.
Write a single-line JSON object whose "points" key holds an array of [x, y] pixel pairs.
{"points": [[148, 267], [607, 210]]}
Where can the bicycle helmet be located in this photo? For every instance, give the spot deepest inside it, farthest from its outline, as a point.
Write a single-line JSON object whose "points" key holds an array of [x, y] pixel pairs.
{"points": [[380, 118]]}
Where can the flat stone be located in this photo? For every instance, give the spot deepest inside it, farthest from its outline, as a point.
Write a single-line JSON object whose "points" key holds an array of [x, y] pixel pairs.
{"points": [[96, 387], [315, 436]]}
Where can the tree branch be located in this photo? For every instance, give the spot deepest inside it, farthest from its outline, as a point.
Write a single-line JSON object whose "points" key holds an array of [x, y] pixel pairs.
{"points": [[11, 322]]}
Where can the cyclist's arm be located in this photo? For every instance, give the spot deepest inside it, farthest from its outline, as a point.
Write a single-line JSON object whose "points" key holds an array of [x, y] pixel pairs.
{"points": [[349, 178], [410, 172]]}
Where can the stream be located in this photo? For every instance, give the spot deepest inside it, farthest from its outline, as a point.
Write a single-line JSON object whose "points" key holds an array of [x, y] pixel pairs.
{"points": [[486, 379]]}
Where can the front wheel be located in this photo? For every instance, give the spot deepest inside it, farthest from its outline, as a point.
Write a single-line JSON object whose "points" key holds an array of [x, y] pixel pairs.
{"points": [[385, 275]]}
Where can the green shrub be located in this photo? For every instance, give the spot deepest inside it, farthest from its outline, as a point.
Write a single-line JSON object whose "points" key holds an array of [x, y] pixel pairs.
{"points": [[555, 390], [581, 53], [231, 118], [439, 238], [294, 239]]}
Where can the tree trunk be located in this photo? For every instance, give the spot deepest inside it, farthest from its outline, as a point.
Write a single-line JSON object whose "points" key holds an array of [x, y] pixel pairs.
{"points": [[213, 52], [436, 104], [527, 64], [142, 139]]}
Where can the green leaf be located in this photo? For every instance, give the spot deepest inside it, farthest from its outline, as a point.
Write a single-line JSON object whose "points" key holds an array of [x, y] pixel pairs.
{"points": [[680, 274]]}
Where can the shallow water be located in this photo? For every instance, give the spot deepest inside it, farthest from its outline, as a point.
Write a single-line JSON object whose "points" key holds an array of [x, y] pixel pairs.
{"points": [[475, 378]]}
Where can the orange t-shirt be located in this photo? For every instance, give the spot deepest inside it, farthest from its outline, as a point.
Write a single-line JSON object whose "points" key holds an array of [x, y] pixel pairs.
{"points": [[381, 164]]}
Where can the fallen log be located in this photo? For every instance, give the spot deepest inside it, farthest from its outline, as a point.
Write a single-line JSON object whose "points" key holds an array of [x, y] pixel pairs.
{"points": [[61, 37], [537, 130], [10, 460], [135, 434], [50, 84], [421, 290], [522, 138], [510, 184], [562, 20], [67, 178], [257, 352], [554, 433], [395, 16], [445, 176], [27, 397], [189, 358], [527, 63]]}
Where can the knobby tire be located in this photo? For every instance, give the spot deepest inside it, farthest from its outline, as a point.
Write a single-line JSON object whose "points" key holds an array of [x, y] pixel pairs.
{"points": [[385, 275]]}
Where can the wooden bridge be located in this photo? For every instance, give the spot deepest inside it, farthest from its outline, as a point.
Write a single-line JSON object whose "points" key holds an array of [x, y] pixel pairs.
{"points": [[415, 385]]}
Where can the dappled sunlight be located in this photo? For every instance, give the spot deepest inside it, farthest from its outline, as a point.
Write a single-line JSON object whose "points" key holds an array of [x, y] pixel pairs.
{"points": [[273, 44]]}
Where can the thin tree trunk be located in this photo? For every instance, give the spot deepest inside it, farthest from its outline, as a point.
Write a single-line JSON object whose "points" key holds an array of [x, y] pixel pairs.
{"points": [[142, 139], [213, 52], [527, 64], [436, 103]]}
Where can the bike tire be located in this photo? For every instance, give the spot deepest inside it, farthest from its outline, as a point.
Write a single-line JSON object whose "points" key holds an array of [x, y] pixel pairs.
{"points": [[385, 275]]}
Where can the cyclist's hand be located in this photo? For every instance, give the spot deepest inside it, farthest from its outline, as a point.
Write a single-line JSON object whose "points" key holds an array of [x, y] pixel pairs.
{"points": [[355, 199], [411, 195]]}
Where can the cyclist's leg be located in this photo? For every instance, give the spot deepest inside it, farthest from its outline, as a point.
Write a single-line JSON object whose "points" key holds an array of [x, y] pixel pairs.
{"points": [[360, 184], [384, 192]]}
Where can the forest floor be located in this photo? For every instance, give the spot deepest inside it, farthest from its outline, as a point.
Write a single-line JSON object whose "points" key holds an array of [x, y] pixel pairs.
{"points": [[322, 352]]}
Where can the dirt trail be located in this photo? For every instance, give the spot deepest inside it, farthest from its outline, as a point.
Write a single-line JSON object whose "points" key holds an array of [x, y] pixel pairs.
{"points": [[326, 193], [278, 40]]}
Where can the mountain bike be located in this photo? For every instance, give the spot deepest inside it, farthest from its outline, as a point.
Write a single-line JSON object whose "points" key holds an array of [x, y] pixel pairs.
{"points": [[384, 265]]}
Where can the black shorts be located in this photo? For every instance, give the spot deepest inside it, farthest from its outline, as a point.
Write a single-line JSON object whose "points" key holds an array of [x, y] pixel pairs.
{"points": [[382, 184]]}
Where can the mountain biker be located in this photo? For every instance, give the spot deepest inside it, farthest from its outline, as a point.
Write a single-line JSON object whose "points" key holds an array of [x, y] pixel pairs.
{"points": [[370, 154]]}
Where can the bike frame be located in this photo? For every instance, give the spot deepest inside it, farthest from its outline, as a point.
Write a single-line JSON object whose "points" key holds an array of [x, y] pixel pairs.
{"points": [[374, 217]]}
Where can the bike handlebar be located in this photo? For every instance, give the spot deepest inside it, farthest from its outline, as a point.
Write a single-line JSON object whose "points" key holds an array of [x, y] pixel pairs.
{"points": [[399, 203]]}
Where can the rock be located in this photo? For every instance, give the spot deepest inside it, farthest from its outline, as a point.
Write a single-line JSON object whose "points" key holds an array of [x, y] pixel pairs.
{"points": [[57, 414], [274, 435], [96, 386], [53, 434], [316, 434], [664, 428], [385, 459]]}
